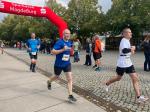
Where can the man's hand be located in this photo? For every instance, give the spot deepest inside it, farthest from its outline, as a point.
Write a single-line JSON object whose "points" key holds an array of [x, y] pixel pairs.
{"points": [[66, 48], [133, 49], [29, 49], [38, 47]]}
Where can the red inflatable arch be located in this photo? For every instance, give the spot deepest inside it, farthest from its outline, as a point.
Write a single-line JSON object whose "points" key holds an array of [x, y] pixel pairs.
{"points": [[35, 11]]}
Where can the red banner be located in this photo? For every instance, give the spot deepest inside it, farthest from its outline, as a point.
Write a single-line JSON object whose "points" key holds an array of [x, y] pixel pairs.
{"points": [[35, 11]]}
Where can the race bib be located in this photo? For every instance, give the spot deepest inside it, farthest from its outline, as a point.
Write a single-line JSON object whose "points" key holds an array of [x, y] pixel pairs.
{"points": [[65, 57], [33, 53]]}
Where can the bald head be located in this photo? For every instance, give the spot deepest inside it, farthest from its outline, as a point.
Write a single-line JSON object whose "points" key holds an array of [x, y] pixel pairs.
{"points": [[66, 30], [33, 35], [66, 34], [127, 33]]}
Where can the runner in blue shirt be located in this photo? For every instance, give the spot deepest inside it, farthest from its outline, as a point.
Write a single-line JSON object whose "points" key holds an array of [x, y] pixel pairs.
{"points": [[62, 63], [33, 46]]}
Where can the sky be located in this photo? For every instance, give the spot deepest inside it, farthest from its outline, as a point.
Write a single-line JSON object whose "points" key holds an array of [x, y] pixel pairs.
{"points": [[106, 4]]}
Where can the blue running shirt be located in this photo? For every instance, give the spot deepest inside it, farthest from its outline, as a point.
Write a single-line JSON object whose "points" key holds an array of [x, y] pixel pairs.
{"points": [[62, 59], [33, 44]]}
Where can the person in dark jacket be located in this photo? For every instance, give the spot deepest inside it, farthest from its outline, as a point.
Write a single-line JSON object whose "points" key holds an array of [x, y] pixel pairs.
{"points": [[146, 46], [88, 60]]}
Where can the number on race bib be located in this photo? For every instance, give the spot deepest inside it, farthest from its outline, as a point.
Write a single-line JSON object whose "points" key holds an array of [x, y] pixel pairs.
{"points": [[65, 57], [33, 53]]}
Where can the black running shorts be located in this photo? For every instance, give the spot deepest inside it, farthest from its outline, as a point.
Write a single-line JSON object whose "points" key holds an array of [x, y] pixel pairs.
{"points": [[97, 56], [120, 71], [33, 56]]}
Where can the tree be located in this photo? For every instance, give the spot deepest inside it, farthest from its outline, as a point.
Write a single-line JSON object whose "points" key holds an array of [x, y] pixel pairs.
{"points": [[129, 13], [83, 16]]}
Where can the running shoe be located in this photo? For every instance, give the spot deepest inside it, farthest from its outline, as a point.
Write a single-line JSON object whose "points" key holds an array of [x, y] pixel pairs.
{"points": [[94, 66], [33, 70], [72, 98], [98, 69], [49, 86], [106, 88], [142, 99]]}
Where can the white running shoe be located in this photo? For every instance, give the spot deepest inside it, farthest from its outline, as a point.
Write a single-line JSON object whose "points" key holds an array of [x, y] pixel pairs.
{"points": [[106, 88], [142, 99]]}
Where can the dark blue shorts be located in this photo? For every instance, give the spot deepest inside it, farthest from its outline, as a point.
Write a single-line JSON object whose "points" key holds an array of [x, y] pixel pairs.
{"points": [[58, 70]]}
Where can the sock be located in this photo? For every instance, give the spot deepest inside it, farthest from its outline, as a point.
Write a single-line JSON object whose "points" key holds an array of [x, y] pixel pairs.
{"points": [[138, 96], [70, 95], [31, 65], [34, 66], [107, 84]]}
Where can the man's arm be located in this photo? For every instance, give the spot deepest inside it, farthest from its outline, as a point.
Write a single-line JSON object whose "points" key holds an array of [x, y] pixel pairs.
{"points": [[39, 44], [57, 51], [27, 46], [128, 50], [54, 51]]}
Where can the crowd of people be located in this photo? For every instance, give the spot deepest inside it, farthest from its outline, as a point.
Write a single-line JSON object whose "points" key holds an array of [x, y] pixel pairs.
{"points": [[93, 47], [46, 46], [64, 47]]}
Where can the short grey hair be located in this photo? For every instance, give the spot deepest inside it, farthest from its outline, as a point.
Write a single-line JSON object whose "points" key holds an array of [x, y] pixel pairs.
{"points": [[97, 36], [125, 29], [88, 40]]}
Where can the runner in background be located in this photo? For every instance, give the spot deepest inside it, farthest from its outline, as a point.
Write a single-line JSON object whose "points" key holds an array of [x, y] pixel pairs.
{"points": [[33, 46]]}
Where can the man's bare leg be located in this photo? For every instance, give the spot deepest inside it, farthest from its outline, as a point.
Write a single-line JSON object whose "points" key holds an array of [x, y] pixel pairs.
{"points": [[113, 79]]}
